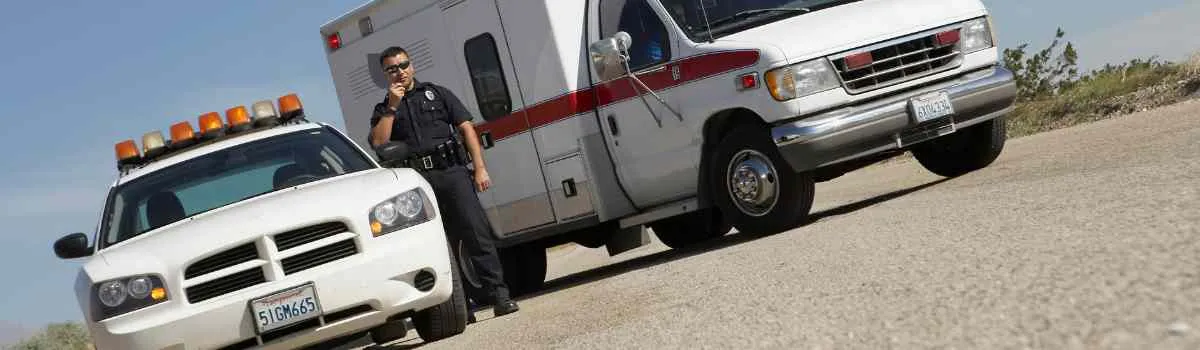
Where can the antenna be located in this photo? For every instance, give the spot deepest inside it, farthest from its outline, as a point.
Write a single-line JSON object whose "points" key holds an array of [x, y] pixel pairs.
{"points": [[708, 27]]}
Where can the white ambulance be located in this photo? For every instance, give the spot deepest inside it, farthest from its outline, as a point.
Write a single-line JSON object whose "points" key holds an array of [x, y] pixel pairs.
{"points": [[263, 231], [601, 117]]}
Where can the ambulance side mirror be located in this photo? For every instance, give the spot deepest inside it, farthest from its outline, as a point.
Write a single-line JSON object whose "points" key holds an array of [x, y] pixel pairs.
{"points": [[391, 154], [609, 55]]}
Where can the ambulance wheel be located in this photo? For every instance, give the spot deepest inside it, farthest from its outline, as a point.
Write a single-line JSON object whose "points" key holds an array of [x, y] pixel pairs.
{"points": [[692, 228], [524, 268], [754, 187], [448, 318]]}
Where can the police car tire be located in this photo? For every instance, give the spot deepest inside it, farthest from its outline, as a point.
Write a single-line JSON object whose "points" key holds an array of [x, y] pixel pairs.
{"points": [[692, 228], [794, 190], [966, 150], [448, 318]]}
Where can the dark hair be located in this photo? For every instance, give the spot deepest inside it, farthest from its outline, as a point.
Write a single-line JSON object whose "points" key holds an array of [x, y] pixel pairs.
{"points": [[391, 51]]}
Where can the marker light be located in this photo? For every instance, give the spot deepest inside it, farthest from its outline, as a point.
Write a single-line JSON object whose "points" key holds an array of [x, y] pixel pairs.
{"points": [[334, 41], [290, 107], [127, 152], [210, 125], [182, 134], [153, 144], [264, 113], [239, 118]]}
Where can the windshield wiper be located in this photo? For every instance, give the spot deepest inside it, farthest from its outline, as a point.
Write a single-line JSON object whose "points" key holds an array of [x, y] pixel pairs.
{"points": [[750, 13]]}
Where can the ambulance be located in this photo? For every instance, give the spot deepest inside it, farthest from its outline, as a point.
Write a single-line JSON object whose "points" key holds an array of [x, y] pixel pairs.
{"points": [[604, 120], [263, 230]]}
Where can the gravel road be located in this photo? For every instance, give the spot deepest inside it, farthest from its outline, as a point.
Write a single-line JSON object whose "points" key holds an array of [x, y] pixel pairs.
{"points": [[1080, 238]]}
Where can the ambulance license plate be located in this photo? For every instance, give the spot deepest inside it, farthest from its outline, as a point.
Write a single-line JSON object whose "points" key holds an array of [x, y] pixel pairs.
{"points": [[930, 106], [285, 308]]}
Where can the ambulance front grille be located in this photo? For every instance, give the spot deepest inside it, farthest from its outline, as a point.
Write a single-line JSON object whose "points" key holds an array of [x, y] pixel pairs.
{"points": [[898, 62]]}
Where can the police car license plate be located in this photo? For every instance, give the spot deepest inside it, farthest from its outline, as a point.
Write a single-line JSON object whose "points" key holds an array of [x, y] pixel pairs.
{"points": [[285, 308], [931, 106]]}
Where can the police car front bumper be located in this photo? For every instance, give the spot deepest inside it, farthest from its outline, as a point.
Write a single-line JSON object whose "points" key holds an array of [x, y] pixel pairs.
{"points": [[355, 294], [861, 130]]}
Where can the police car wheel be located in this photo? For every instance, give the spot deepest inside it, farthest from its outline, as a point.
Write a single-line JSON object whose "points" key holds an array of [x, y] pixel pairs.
{"points": [[448, 318], [754, 187]]}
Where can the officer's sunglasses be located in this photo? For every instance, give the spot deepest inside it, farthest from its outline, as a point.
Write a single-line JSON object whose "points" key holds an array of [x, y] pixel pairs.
{"points": [[392, 69]]}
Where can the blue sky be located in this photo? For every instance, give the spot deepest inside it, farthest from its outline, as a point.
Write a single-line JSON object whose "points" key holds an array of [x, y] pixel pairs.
{"points": [[77, 77]]}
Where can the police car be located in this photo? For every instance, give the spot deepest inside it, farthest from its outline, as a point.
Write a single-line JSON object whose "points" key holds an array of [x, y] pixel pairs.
{"points": [[263, 230]]}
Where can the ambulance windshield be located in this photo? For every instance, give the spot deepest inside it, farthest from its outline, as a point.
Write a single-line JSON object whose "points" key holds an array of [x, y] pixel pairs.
{"points": [[726, 17], [225, 177]]}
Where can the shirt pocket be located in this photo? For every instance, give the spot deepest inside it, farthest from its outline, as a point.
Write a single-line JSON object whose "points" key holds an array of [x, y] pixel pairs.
{"points": [[432, 112]]}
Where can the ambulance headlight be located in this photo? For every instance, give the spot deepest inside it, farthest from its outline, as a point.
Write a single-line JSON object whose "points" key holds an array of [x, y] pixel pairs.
{"points": [[127, 294], [801, 79], [407, 209]]}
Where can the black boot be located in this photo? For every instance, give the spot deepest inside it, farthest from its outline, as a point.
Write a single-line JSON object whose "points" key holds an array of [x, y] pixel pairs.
{"points": [[502, 303]]}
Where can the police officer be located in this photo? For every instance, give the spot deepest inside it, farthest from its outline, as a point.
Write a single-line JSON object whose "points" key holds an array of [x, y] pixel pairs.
{"points": [[424, 116]]}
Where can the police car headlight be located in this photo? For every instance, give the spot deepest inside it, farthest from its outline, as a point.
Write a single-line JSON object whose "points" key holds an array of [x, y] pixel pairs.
{"points": [[399, 212], [123, 295]]}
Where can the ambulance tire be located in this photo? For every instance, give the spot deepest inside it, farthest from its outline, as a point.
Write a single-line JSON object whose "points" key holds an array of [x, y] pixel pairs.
{"points": [[771, 197], [448, 318], [524, 268], [689, 229]]}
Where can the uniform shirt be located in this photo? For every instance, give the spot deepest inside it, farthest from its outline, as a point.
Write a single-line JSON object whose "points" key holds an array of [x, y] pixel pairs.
{"points": [[428, 115]]}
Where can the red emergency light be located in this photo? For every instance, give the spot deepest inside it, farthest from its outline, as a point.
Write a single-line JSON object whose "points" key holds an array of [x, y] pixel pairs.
{"points": [[859, 60], [334, 41], [948, 37]]}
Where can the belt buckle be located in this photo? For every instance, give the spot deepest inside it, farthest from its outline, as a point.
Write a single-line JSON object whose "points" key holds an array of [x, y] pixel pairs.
{"points": [[427, 161]]}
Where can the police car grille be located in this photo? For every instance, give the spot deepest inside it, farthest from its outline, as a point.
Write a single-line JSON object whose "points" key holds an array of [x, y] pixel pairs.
{"points": [[319, 256], [298, 237], [899, 62], [237, 255], [225, 285]]}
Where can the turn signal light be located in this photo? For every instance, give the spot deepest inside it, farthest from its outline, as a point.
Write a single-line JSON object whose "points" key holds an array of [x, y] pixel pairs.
{"points": [[210, 125], [158, 293], [239, 118], [127, 152], [182, 134], [153, 144], [290, 107]]}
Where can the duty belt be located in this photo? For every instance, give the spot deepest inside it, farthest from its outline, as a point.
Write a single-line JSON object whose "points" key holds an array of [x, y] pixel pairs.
{"points": [[445, 155]]}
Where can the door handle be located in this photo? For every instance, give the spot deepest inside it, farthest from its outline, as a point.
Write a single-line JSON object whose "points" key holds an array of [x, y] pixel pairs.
{"points": [[485, 138], [612, 125]]}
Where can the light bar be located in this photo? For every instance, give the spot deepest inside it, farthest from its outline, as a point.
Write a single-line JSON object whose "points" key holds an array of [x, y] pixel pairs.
{"points": [[211, 126], [264, 113], [182, 134], [153, 144], [127, 153], [238, 118], [290, 107]]}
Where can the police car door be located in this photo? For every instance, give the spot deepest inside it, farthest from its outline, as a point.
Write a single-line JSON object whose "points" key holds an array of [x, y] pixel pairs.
{"points": [[518, 195], [647, 137]]}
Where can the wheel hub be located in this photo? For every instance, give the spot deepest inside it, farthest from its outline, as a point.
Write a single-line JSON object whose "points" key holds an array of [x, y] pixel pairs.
{"points": [[753, 183]]}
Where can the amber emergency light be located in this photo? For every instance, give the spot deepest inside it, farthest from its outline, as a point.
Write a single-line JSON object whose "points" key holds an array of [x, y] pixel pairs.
{"points": [[290, 107], [211, 126], [182, 134], [238, 118], [127, 152]]}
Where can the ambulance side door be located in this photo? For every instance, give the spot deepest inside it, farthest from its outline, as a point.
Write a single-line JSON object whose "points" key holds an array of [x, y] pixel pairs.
{"points": [[518, 198]]}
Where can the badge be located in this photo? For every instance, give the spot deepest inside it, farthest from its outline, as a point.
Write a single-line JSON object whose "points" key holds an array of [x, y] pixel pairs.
{"points": [[429, 95]]}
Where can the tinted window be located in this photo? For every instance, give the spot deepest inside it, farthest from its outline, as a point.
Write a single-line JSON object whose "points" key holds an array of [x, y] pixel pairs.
{"points": [[225, 177], [487, 77], [651, 44]]}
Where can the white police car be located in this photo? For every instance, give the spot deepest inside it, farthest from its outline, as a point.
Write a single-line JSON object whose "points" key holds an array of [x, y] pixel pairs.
{"points": [[271, 232]]}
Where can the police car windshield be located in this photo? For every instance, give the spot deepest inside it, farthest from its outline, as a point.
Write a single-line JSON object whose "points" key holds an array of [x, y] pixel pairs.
{"points": [[224, 177]]}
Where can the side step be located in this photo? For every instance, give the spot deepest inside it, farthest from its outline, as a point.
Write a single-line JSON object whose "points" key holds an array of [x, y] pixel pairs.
{"points": [[663, 211]]}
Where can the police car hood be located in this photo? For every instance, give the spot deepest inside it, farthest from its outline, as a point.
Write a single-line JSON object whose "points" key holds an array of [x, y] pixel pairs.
{"points": [[854, 24], [168, 250]]}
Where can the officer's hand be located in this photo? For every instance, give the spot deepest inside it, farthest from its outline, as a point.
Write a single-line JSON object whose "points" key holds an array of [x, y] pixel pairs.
{"points": [[396, 90], [482, 181]]}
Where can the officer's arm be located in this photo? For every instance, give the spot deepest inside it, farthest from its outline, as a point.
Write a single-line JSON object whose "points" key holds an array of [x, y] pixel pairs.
{"points": [[472, 141], [381, 130]]}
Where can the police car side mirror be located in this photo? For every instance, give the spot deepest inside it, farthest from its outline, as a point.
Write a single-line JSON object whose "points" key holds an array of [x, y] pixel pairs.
{"points": [[391, 154], [609, 55], [72, 246]]}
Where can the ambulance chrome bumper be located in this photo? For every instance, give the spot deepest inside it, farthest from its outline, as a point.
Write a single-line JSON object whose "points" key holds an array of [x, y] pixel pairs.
{"points": [[860, 130]]}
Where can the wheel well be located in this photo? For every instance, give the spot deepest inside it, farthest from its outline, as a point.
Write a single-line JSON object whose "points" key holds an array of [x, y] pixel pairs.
{"points": [[715, 128]]}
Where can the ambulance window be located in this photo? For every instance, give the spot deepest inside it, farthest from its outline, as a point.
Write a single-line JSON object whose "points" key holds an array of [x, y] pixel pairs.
{"points": [[491, 90], [651, 44]]}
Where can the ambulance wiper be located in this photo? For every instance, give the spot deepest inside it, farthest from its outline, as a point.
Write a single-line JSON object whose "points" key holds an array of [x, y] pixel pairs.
{"points": [[750, 13]]}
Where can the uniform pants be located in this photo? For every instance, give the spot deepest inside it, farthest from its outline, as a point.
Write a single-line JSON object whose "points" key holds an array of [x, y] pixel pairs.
{"points": [[465, 220]]}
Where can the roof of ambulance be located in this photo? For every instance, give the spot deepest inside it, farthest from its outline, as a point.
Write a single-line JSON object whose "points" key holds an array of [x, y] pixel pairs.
{"points": [[229, 141]]}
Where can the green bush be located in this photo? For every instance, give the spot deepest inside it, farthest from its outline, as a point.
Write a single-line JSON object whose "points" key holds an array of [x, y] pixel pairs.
{"points": [[57, 336]]}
